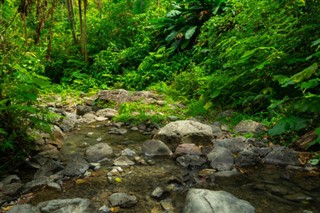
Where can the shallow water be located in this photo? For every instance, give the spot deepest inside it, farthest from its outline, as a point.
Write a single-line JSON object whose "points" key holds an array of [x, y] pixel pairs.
{"points": [[268, 188]]}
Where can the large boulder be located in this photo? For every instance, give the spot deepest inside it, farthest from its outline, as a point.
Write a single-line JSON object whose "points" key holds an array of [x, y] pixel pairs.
{"points": [[98, 152], [185, 131], [207, 201]]}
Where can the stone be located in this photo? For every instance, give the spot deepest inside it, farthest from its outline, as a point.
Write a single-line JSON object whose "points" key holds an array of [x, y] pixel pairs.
{"points": [[76, 166], [88, 118], [298, 197], [98, 152], [128, 152], [185, 131], [187, 148], [227, 174], [235, 145], [221, 159], [48, 168], [107, 113], [123, 161], [117, 131], [247, 158], [207, 201], [216, 131], [173, 118], [249, 126], [68, 122], [159, 193], [155, 148], [24, 208], [57, 132], [190, 160], [11, 188], [282, 156], [10, 179], [167, 205], [78, 205], [262, 151], [122, 200], [82, 109], [42, 181]]}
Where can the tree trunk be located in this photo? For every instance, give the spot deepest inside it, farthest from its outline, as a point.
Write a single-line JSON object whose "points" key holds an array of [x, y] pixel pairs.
{"points": [[85, 51], [51, 12], [72, 21]]}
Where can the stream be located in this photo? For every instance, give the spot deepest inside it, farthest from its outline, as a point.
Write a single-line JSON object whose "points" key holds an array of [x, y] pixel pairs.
{"points": [[268, 188]]}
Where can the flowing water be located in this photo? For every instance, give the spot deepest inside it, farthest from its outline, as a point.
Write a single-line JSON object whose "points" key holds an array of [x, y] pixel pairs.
{"points": [[268, 188]]}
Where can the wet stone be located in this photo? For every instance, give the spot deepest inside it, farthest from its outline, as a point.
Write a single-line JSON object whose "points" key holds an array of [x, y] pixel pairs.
{"points": [[221, 159], [76, 166], [247, 158], [191, 160], [187, 148], [282, 156], [24, 208], [98, 152], [117, 131], [167, 205], [122, 200], [123, 161], [300, 197], [128, 152], [235, 145], [159, 193], [155, 148]]}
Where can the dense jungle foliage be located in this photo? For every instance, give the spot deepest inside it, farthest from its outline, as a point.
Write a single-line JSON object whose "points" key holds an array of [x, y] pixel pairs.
{"points": [[258, 58]]}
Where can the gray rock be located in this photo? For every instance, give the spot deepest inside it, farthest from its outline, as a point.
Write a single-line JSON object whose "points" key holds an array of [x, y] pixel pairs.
{"points": [[155, 148], [159, 193], [235, 145], [206, 201], [187, 148], [173, 118], [10, 179], [227, 174], [47, 168], [185, 131], [76, 166], [128, 152], [123, 161], [221, 159], [42, 181], [69, 122], [282, 156], [122, 200], [247, 158], [262, 151], [98, 152], [88, 118], [24, 208], [81, 109], [107, 113], [249, 126], [117, 131], [11, 188], [78, 205], [190, 160], [216, 131]]}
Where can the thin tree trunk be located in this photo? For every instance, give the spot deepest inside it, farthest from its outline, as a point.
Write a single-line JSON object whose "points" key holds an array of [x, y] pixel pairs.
{"points": [[85, 52], [71, 20], [48, 56], [81, 26], [24, 18]]}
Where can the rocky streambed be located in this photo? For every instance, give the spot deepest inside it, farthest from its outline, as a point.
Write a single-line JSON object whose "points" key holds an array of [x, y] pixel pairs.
{"points": [[96, 165]]}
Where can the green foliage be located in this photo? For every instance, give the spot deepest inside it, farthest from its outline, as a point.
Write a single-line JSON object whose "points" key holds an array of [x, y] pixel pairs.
{"points": [[181, 26]]}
